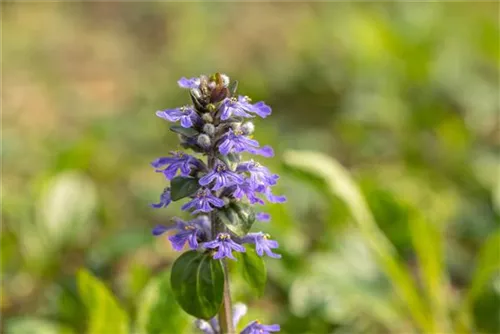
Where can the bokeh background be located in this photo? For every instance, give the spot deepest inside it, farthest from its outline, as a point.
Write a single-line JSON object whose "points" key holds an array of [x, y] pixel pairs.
{"points": [[403, 95]]}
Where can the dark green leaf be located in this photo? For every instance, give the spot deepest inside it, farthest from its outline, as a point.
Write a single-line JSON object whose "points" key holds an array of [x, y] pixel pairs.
{"points": [[253, 270], [232, 87], [188, 132], [197, 282], [181, 187], [237, 217]]}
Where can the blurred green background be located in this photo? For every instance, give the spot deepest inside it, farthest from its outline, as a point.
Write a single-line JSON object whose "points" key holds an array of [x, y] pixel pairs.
{"points": [[403, 95]]}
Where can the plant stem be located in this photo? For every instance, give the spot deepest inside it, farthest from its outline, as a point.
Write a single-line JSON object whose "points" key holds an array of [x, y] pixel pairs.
{"points": [[226, 310]]}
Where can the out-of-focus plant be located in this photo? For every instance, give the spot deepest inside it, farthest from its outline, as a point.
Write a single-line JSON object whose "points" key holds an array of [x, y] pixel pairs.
{"points": [[426, 299]]}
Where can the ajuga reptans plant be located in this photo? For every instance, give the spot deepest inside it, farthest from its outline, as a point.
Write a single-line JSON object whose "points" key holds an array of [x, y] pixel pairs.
{"points": [[222, 191]]}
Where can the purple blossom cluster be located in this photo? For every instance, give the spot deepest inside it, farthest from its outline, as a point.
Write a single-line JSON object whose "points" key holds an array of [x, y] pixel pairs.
{"points": [[217, 127]]}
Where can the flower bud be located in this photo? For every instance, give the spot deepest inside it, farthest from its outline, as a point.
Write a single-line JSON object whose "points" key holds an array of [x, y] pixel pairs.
{"points": [[235, 126], [211, 107], [209, 129], [204, 141], [226, 201], [225, 80], [207, 118], [247, 128], [196, 93]]}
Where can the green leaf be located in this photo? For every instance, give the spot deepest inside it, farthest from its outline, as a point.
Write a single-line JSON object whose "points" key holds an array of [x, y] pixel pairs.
{"points": [[428, 243], [181, 187], [104, 313], [253, 270], [487, 265], [156, 311], [188, 132], [237, 217], [233, 86], [32, 325], [340, 184], [197, 281]]}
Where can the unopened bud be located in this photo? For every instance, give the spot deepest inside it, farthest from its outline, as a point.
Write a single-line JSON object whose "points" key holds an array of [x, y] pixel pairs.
{"points": [[235, 126], [211, 107], [226, 201], [209, 129], [207, 118], [225, 80], [196, 93], [247, 128], [204, 141]]}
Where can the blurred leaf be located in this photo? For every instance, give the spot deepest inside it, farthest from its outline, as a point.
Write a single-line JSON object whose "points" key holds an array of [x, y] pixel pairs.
{"points": [[487, 264], [428, 243], [32, 325], [104, 313], [65, 208], [188, 132], [181, 187], [253, 269], [237, 217], [118, 244], [157, 311], [197, 281], [341, 184]]}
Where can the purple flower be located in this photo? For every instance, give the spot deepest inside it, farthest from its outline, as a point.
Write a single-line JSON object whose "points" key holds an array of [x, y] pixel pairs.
{"points": [[262, 244], [188, 232], [259, 175], [259, 108], [255, 327], [246, 189], [224, 246], [164, 200], [160, 229], [187, 115], [266, 190], [189, 83], [223, 177], [234, 107], [237, 142], [178, 160], [204, 201], [263, 216]]}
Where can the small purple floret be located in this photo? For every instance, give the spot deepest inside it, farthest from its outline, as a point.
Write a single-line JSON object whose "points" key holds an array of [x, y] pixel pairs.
{"points": [[224, 246]]}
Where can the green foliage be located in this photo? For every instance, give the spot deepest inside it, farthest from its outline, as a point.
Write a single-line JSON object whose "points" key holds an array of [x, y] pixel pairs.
{"points": [[188, 132], [253, 270], [104, 314], [32, 325], [237, 217], [197, 281], [341, 185], [183, 187], [157, 311]]}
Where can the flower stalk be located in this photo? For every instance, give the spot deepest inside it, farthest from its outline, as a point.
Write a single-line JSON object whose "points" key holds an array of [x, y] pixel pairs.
{"points": [[222, 191]]}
